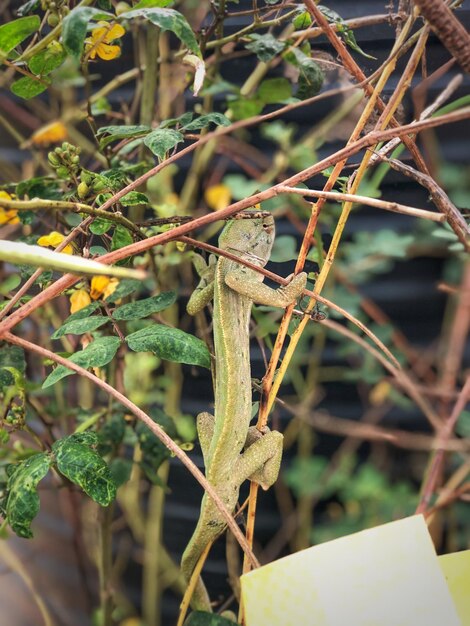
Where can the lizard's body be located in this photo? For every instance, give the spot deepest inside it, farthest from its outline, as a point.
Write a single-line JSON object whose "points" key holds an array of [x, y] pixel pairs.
{"points": [[234, 288]]}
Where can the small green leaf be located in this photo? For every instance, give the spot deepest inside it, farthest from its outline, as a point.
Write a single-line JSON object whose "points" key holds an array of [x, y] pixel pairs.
{"points": [[301, 21], [150, 4], [274, 90], [167, 19], [121, 238], [266, 47], [133, 198], [82, 313], [245, 107], [125, 288], [161, 140], [120, 471], [45, 61], [10, 356], [121, 132], [171, 344], [201, 618], [343, 29], [80, 326], [23, 501], [84, 467], [154, 451], [27, 7], [100, 226], [144, 308], [284, 249], [27, 87], [204, 120], [310, 75], [74, 27], [97, 354], [13, 33]]}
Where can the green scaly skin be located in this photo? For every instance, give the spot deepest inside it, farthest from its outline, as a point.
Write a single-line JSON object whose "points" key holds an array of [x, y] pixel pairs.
{"points": [[234, 452]]}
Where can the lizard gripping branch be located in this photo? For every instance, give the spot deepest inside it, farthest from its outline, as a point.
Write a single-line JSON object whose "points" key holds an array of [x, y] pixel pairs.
{"points": [[232, 451]]}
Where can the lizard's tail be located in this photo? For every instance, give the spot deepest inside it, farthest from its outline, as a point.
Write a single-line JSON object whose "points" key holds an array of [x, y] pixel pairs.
{"points": [[200, 600]]}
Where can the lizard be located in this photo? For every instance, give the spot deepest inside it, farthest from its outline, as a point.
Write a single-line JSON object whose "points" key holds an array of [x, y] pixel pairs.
{"points": [[232, 450]]}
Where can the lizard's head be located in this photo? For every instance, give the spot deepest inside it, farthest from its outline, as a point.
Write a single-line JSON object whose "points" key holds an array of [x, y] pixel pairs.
{"points": [[250, 238]]}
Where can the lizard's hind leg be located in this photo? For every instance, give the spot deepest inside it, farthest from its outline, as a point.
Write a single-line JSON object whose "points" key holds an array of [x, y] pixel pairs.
{"points": [[261, 460]]}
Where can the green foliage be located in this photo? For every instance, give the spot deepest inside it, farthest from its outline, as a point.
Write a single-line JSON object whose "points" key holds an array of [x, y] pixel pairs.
{"points": [[45, 61], [28, 88], [13, 33], [167, 19], [98, 353], [75, 25], [145, 308], [266, 47], [10, 357], [218, 119], [171, 344], [154, 452], [310, 75], [125, 288], [274, 90], [346, 33], [77, 460], [80, 326], [162, 140], [22, 503]]}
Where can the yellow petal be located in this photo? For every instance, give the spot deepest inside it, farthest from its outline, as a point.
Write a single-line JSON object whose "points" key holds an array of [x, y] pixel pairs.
{"points": [[9, 216], [115, 32], [68, 249], [53, 239], [217, 197], [98, 286], [51, 133], [379, 393], [111, 288], [79, 300], [107, 52], [4, 195]]}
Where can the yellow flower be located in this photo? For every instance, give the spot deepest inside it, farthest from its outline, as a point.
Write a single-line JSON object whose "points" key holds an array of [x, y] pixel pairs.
{"points": [[79, 300], [99, 44], [52, 240], [102, 287], [8, 216], [55, 132], [217, 197]]}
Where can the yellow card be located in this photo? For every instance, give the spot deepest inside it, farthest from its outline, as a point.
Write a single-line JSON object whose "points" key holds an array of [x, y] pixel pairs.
{"points": [[456, 568], [384, 576]]}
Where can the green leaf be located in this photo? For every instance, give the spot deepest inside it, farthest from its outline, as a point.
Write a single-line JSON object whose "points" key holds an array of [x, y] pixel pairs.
{"points": [[201, 618], [13, 357], [274, 90], [144, 308], [82, 313], [161, 140], [125, 288], [40, 187], [301, 21], [84, 467], [27, 7], [13, 33], [134, 197], [284, 249], [100, 226], [171, 344], [120, 471], [80, 326], [121, 238], [245, 108], [45, 61], [266, 47], [148, 4], [343, 29], [167, 19], [23, 501], [154, 451], [310, 75], [204, 120], [305, 476], [27, 87], [74, 28], [121, 132], [97, 354]]}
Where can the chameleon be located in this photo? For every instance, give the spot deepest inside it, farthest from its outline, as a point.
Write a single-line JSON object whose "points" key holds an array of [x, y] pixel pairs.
{"points": [[232, 450]]}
